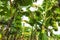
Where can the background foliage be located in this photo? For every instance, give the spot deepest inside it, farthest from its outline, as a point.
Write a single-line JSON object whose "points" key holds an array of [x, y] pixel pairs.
{"points": [[12, 26]]}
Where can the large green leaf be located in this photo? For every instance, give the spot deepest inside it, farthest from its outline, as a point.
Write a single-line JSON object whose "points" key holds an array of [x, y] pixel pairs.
{"points": [[43, 36]]}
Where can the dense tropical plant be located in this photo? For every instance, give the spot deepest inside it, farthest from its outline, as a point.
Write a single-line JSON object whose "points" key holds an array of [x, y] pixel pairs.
{"points": [[40, 17]]}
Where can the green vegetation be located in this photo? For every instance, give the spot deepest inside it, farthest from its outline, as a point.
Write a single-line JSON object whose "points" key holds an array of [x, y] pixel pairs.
{"points": [[40, 17]]}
